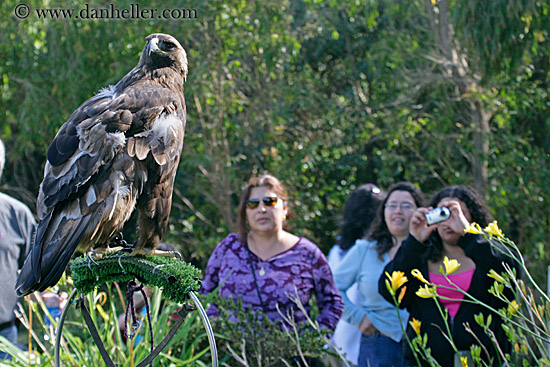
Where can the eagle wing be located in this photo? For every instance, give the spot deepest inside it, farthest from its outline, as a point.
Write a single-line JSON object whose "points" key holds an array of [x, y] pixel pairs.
{"points": [[98, 130]]}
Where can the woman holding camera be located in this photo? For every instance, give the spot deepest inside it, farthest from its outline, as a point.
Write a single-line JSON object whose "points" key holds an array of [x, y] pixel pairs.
{"points": [[267, 266], [376, 318], [425, 249]]}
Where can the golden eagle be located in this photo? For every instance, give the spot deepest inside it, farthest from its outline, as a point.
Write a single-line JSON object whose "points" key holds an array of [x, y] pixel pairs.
{"points": [[118, 151]]}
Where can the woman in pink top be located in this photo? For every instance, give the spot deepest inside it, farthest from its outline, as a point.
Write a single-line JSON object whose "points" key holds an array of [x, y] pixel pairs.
{"points": [[425, 249], [452, 298]]}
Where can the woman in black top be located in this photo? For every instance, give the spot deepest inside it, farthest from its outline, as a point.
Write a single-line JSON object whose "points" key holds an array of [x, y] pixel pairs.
{"points": [[425, 249]]}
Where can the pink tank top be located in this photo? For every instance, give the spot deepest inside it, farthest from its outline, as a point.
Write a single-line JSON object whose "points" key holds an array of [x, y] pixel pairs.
{"points": [[461, 280]]}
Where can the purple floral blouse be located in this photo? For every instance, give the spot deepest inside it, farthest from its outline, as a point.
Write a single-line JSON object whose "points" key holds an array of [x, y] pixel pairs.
{"points": [[303, 267]]}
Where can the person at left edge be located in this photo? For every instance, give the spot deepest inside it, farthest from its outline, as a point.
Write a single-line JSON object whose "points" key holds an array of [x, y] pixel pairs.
{"points": [[17, 226], [265, 264]]}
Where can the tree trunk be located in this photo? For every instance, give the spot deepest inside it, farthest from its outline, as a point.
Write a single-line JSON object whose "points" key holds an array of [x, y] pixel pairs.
{"points": [[456, 63], [480, 119]]}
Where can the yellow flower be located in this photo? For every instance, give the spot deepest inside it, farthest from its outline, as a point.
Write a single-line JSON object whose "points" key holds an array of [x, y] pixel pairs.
{"points": [[496, 276], [493, 229], [418, 275], [397, 279], [401, 294], [102, 312], [464, 361], [426, 292], [450, 265], [415, 325], [522, 285], [513, 307], [101, 298], [540, 310], [524, 349], [473, 228]]}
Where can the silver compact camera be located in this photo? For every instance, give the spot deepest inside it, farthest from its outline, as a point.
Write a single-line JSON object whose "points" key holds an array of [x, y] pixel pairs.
{"points": [[437, 215]]}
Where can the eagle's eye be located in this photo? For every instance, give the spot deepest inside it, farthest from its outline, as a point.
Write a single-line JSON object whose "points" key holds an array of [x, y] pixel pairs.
{"points": [[169, 46]]}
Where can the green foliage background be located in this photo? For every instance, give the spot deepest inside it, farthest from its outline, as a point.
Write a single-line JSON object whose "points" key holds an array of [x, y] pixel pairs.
{"points": [[326, 95]]}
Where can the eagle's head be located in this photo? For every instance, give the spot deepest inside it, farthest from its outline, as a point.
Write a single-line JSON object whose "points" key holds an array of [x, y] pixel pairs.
{"points": [[163, 50]]}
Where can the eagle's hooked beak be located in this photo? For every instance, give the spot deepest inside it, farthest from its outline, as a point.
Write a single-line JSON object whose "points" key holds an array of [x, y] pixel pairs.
{"points": [[153, 46]]}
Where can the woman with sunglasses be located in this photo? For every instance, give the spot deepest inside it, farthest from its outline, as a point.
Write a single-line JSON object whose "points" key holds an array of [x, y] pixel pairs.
{"points": [[266, 265], [425, 249], [376, 318]]}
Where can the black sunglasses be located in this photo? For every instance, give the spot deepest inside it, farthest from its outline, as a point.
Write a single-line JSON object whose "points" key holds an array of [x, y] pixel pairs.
{"points": [[267, 200]]}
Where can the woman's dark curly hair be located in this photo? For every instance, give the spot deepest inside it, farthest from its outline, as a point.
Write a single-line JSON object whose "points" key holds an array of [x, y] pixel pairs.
{"points": [[379, 231], [474, 202], [359, 213]]}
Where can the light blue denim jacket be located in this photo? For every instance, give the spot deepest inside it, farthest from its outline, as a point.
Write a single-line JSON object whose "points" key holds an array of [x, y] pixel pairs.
{"points": [[362, 265]]}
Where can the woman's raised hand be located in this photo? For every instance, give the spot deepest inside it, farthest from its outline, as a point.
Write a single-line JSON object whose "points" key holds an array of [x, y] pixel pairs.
{"points": [[418, 227], [457, 221]]}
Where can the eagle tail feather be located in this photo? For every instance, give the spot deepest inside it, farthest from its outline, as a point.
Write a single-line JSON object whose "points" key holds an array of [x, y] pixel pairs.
{"points": [[40, 272]]}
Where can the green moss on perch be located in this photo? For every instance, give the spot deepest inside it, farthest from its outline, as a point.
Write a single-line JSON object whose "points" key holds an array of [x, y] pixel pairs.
{"points": [[175, 277]]}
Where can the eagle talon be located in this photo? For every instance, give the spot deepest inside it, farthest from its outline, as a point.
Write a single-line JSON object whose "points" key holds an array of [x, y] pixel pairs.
{"points": [[158, 267], [177, 255], [89, 255], [128, 249], [173, 254], [120, 263]]}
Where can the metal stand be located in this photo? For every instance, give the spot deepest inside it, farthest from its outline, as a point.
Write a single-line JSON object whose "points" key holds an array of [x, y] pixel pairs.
{"points": [[93, 330]]}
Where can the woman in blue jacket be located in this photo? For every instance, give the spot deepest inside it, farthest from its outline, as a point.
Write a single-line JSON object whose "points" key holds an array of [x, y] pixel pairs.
{"points": [[376, 318]]}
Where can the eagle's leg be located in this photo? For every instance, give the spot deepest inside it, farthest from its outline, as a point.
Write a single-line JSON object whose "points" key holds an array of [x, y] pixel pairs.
{"points": [[98, 253], [116, 244], [174, 254]]}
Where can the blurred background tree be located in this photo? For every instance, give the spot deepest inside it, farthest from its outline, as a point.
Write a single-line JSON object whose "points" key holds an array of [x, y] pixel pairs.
{"points": [[326, 95]]}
